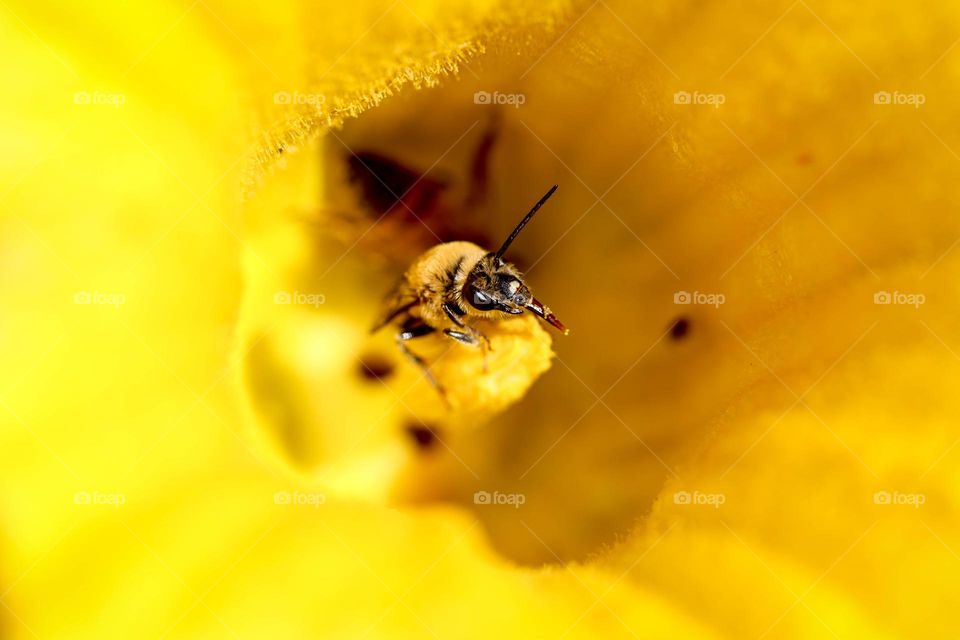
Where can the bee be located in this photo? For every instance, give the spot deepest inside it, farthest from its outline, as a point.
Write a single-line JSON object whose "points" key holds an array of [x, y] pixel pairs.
{"points": [[452, 284]]}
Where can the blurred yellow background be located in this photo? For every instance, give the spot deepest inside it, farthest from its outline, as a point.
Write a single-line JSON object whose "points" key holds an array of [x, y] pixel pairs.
{"points": [[186, 455]]}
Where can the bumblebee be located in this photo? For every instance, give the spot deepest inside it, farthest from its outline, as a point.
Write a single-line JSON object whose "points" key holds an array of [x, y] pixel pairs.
{"points": [[454, 283]]}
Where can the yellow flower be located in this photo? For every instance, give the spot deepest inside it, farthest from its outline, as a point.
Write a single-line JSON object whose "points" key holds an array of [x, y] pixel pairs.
{"points": [[749, 432]]}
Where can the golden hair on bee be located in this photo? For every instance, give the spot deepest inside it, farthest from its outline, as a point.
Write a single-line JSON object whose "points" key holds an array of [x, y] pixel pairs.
{"points": [[454, 282]]}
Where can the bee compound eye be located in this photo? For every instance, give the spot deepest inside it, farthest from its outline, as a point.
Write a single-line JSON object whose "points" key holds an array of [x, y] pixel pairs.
{"points": [[480, 300]]}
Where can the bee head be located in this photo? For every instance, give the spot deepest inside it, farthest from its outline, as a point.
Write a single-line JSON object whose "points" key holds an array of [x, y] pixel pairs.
{"points": [[496, 285]]}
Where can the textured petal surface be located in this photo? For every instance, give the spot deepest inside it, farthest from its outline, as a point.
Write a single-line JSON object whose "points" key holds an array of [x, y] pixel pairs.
{"points": [[750, 431]]}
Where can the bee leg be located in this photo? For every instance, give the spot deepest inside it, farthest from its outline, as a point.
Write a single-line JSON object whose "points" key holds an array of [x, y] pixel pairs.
{"points": [[462, 336], [454, 312], [473, 338], [409, 332], [485, 343], [413, 329]]}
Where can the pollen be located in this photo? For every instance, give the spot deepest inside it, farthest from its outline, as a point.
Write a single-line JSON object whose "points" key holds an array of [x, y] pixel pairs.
{"points": [[481, 382]]}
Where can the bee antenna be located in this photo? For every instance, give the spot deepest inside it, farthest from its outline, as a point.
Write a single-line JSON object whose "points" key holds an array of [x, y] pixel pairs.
{"points": [[523, 223]]}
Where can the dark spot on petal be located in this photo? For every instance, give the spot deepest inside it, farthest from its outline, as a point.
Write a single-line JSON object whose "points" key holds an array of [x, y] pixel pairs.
{"points": [[422, 436], [680, 328], [805, 158], [375, 367], [480, 165], [385, 183]]}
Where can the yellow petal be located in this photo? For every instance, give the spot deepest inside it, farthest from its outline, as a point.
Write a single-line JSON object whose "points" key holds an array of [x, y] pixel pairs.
{"points": [[782, 469]]}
